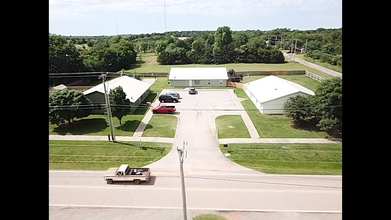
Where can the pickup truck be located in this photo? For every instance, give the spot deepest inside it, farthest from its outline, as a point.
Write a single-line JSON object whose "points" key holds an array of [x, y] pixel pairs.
{"points": [[126, 173], [163, 108]]}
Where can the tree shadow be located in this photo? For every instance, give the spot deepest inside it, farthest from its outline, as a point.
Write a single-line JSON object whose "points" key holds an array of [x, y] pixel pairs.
{"points": [[307, 126], [311, 126], [82, 126], [130, 125], [148, 126]]}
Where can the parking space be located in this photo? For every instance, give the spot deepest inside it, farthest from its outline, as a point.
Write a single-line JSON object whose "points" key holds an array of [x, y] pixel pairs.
{"points": [[207, 100]]}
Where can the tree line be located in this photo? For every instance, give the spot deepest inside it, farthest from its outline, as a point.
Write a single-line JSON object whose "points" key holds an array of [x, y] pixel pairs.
{"points": [[114, 53]]}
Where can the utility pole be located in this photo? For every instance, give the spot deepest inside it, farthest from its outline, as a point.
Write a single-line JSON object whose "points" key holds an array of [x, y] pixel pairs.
{"points": [[295, 45], [305, 47], [181, 157], [165, 26], [103, 77]]}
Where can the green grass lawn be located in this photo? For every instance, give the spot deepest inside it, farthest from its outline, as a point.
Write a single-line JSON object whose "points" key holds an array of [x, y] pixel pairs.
{"points": [[277, 126], [304, 158], [161, 125], [100, 155], [148, 64], [231, 126]]}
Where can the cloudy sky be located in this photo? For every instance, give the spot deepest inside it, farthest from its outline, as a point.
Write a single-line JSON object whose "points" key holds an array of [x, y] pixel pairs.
{"points": [[111, 17]]}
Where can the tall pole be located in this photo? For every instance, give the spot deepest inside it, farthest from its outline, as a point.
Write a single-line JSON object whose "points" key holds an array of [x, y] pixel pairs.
{"points": [[180, 153], [165, 27], [103, 76]]}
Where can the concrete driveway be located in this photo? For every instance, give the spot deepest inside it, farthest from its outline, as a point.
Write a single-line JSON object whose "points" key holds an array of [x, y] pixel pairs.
{"points": [[196, 131]]}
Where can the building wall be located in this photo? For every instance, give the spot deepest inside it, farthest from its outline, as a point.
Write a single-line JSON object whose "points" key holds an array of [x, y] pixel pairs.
{"points": [[276, 106], [198, 83]]}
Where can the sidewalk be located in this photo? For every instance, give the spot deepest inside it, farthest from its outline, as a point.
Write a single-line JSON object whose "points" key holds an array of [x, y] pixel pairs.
{"points": [[171, 140]]}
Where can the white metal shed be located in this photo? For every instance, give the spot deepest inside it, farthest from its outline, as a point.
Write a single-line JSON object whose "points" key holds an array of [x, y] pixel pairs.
{"points": [[198, 76], [270, 93]]}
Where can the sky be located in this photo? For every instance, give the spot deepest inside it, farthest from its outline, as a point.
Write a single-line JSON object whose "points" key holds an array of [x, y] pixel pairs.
{"points": [[112, 17]]}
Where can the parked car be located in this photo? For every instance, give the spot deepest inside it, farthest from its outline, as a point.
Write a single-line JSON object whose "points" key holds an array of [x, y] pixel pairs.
{"points": [[163, 108], [192, 90], [168, 98], [175, 94]]}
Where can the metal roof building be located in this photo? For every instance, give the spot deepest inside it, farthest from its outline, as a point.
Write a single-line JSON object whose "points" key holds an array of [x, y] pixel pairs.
{"points": [[136, 91], [270, 93], [198, 76]]}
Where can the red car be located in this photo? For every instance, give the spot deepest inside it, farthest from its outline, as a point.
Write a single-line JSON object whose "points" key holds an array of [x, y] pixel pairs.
{"points": [[163, 108]]}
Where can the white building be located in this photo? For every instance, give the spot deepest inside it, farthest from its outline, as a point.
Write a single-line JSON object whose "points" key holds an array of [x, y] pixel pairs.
{"points": [[136, 91], [270, 93], [198, 76]]}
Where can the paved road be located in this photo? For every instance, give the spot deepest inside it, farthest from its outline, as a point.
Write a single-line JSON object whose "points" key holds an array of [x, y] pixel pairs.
{"points": [[205, 191], [292, 57], [292, 196]]}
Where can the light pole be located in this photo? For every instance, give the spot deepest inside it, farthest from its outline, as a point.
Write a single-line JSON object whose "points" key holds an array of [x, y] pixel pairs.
{"points": [[180, 153], [103, 77]]}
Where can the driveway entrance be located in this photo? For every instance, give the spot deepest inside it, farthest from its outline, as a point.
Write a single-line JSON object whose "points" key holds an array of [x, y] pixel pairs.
{"points": [[196, 128]]}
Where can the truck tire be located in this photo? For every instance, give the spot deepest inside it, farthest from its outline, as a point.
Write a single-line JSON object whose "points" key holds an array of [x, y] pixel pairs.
{"points": [[154, 112], [109, 181], [169, 112], [137, 181]]}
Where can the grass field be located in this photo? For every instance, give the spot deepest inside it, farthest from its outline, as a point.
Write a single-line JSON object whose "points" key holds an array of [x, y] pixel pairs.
{"points": [[231, 126], [147, 64], [322, 159], [100, 155], [161, 126]]}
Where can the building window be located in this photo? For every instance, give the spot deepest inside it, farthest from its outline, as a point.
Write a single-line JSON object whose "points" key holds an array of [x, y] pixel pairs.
{"points": [[221, 82], [196, 82], [209, 82]]}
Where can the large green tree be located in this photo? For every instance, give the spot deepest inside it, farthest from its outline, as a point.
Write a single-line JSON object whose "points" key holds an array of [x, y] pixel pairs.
{"points": [[120, 105], [63, 55], [328, 104], [113, 54], [298, 108], [222, 45], [65, 105]]}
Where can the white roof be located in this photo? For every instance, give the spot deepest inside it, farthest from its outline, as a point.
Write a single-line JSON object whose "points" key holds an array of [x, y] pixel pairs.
{"points": [[272, 87], [59, 87], [198, 73], [132, 87]]}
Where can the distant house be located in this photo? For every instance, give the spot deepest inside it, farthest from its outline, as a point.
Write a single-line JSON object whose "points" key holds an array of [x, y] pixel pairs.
{"points": [[136, 91], [56, 88], [198, 76], [270, 93]]}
